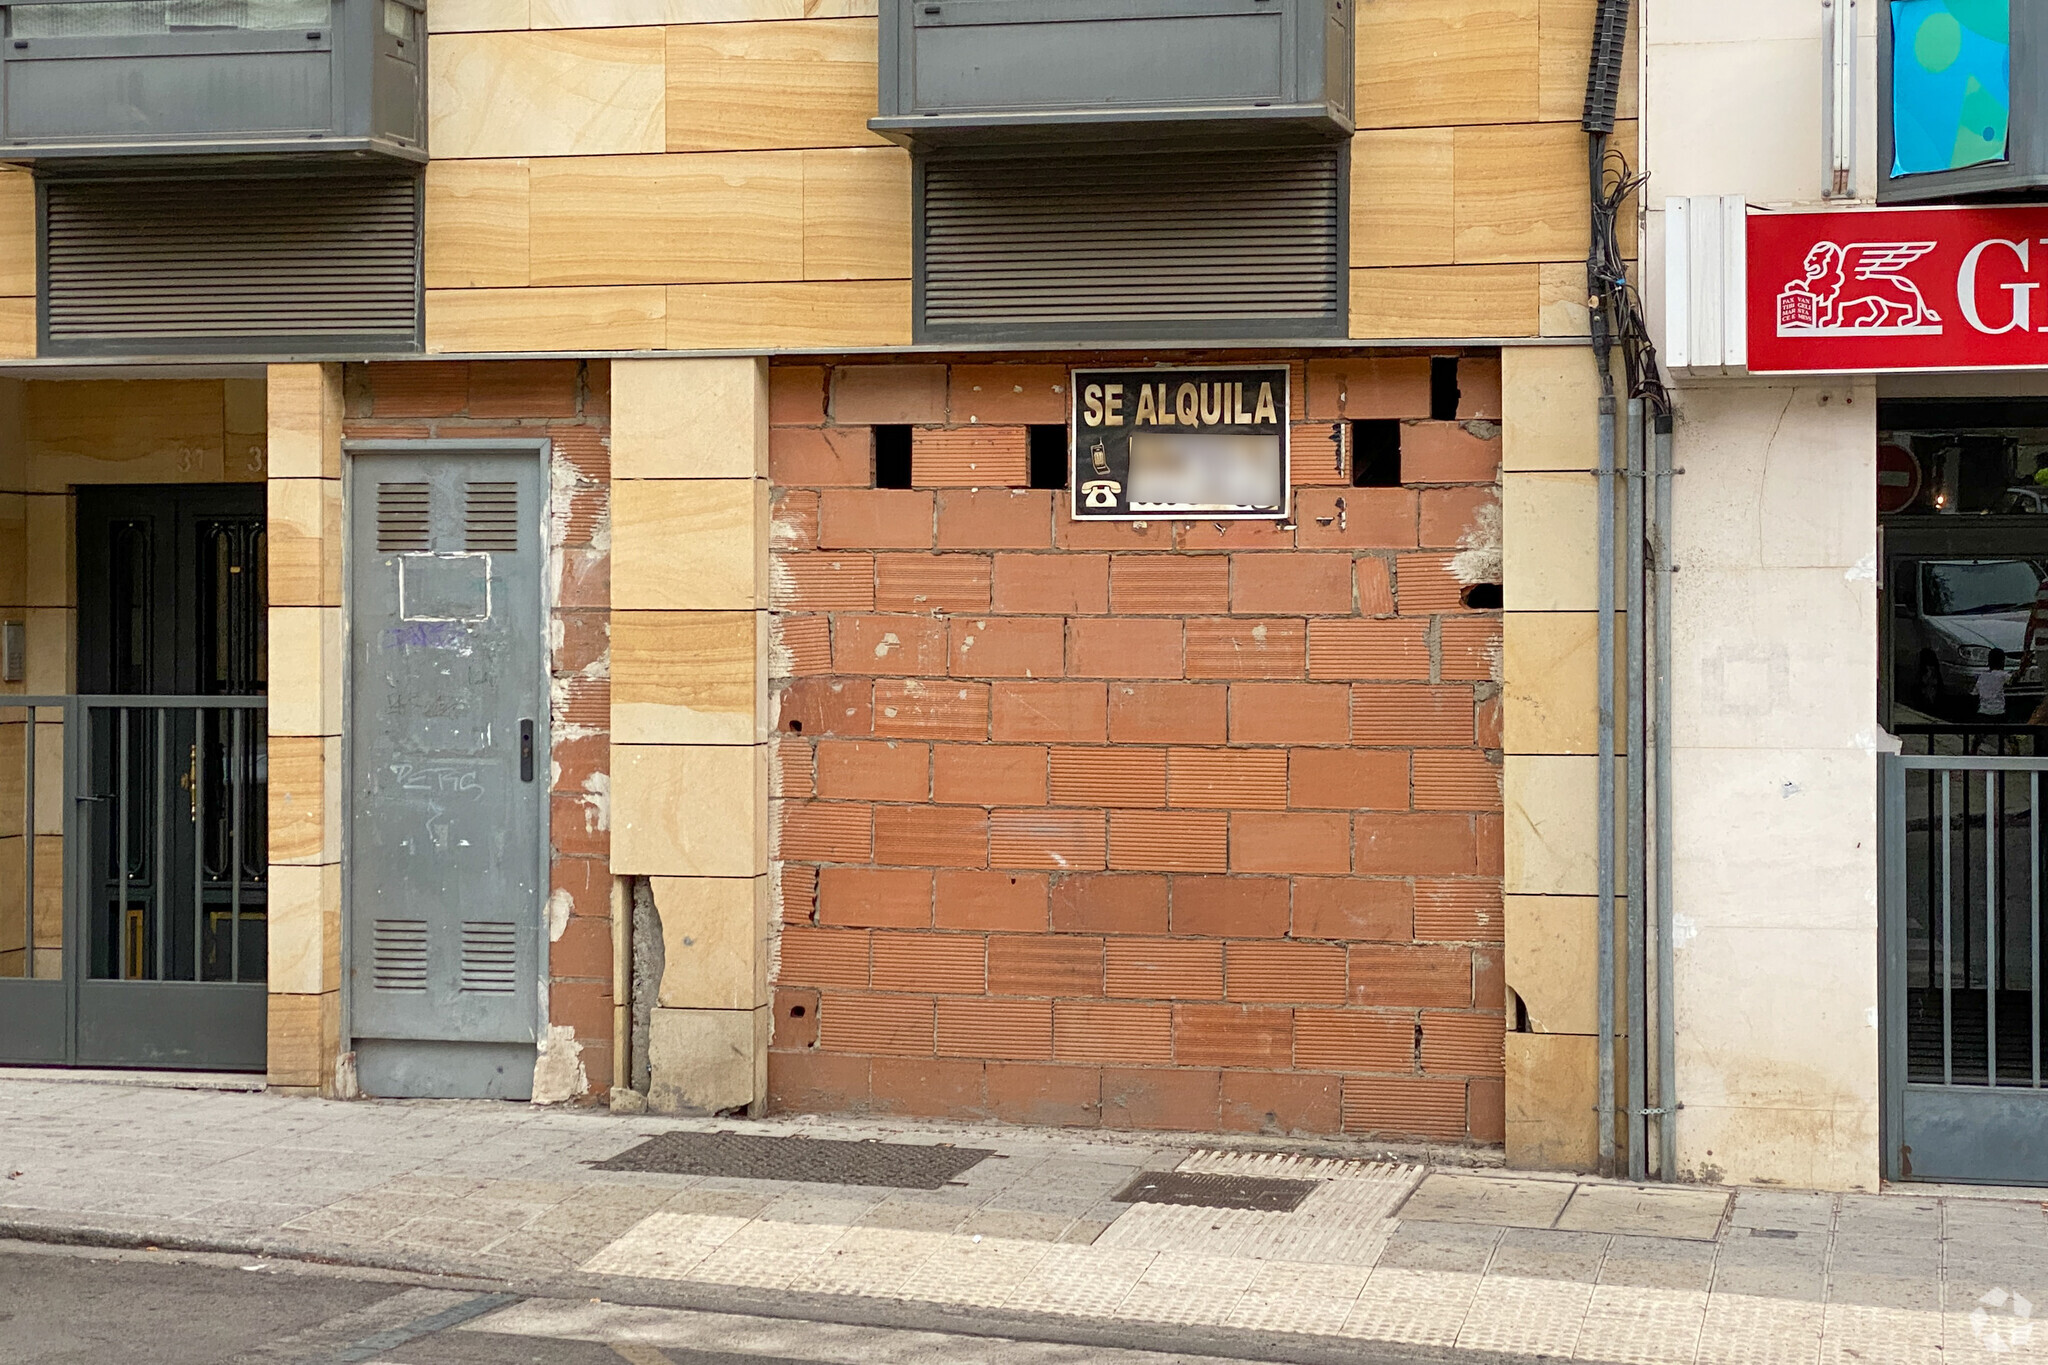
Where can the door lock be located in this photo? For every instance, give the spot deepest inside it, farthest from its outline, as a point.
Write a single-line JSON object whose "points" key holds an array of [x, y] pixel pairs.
{"points": [[526, 751]]}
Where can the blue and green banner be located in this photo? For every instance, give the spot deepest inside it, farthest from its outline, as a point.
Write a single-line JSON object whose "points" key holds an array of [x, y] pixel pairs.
{"points": [[1951, 83]]}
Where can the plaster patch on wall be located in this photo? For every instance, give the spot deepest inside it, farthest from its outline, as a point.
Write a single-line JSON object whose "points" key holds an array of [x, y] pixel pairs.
{"points": [[560, 903], [781, 582], [1684, 929], [1479, 557], [1863, 570], [1746, 678], [558, 1074], [783, 535], [345, 1084], [597, 803]]}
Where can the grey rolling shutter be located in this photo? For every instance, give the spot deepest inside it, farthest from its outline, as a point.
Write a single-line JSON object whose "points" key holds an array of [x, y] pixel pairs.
{"points": [[1194, 243], [272, 266]]}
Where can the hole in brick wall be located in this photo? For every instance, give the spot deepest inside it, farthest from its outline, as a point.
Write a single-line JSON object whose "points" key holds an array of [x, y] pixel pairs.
{"points": [[1048, 456], [796, 1011], [1443, 388], [892, 457], [1481, 596], [1376, 453]]}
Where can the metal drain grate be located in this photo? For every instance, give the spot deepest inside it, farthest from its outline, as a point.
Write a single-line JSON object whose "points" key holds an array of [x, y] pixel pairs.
{"points": [[1215, 1191], [817, 1161]]}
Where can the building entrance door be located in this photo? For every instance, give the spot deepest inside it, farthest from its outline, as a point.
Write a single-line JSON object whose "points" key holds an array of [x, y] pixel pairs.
{"points": [[146, 813], [448, 767], [1964, 642]]}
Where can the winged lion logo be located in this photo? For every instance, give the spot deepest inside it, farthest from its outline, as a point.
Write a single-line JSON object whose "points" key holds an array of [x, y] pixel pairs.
{"points": [[1858, 290]]}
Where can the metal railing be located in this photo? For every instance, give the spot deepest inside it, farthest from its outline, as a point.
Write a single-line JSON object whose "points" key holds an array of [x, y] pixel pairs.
{"points": [[1970, 949], [155, 829]]}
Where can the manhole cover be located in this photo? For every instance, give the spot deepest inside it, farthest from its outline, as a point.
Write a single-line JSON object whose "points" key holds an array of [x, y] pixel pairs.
{"points": [[818, 1161], [1215, 1191]]}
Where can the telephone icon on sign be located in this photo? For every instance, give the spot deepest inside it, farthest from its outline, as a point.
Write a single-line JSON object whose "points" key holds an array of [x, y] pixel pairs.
{"points": [[1101, 492]]}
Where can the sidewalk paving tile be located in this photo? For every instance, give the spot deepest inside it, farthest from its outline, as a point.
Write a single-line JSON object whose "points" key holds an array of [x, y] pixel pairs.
{"points": [[1787, 1281], [1642, 1325], [1187, 1227], [1413, 1307], [983, 1273], [1453, 1259], [1292, 1297], [866, 1261], [1542, 1254], [1748, 1329], [1646, 1212], [1449, 1197], [911, 1215], [1518, 1315], [1973, 1328], [1866, 1334], [1919, 1293], [1458, 1247], [755, 1267], [1187, 1289], [1081, 1281], [665, 1245], [1017, 1224]]}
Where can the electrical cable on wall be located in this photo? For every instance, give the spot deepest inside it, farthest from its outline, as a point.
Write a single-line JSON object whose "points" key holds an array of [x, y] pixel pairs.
{"points": [[1633, 477], [1615, 307], [1613, 296]]}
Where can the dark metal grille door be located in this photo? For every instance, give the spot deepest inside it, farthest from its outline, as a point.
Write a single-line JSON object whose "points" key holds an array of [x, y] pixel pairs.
{"points": [[145, 837], [1963, 886], [447, 769], [231, 266], [1209, 243]]}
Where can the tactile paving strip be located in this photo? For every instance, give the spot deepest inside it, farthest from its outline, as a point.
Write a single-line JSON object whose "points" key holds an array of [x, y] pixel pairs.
{"points": [[822, 1161], [1206, 1191]]}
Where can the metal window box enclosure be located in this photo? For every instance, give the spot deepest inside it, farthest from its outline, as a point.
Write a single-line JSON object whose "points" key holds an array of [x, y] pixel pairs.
{"points": [[2023, 170], [90, 81], [962, 71]]}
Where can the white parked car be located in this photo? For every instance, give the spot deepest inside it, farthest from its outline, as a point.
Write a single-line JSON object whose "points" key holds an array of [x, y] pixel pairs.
{"points": [[1947, 617]]}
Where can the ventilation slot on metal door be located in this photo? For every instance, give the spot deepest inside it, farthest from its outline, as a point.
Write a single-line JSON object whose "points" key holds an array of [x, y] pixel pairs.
{"points": [[401, 517], [1203, 243], [490, 956], [490, 517], [261, 266], [399, 954]]}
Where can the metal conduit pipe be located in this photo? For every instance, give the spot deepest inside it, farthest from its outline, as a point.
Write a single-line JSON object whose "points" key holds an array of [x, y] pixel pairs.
{"points": [[1603, 83], [1638, 752], [1603, 482], [1660, 673]]}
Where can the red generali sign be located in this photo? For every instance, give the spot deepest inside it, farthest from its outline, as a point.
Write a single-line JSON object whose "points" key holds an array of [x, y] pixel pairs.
{"points": [[1898, 289]]}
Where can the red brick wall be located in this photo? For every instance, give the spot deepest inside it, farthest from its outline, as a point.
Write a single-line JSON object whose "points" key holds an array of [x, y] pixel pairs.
{"points": [[569, 402], [1186, 825]]}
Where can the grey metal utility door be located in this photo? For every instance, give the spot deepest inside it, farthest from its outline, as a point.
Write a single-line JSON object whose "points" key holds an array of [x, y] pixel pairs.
{"points": [[447, 756], [1966, 1072]]}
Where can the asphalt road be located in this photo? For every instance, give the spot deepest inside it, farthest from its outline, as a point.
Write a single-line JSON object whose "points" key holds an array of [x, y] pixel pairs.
{"points": [[80, 1306], [59, 1306]]}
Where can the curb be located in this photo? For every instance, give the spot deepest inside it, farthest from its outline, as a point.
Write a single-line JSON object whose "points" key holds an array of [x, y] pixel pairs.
{"points": [[909, 1315], [127, 1239]]}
